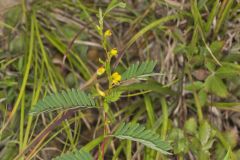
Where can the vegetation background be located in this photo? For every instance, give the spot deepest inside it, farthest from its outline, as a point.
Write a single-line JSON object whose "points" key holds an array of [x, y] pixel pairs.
{"points": [[50, 45]]}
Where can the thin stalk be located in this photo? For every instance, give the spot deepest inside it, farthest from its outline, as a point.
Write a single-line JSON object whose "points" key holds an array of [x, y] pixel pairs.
{"points": [[36, 94], [21, 124], [165, 117], [196, 99], [105, 130], [24, 10]]}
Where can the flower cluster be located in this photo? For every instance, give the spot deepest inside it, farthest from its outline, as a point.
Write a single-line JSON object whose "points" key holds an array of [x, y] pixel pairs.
{"points": [[114, 78]]}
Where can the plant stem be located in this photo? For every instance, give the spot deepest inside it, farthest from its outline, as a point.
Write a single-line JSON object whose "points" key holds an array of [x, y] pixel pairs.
{"points": [[104, 133], [165, 117], [196, 99], [105, 130]]}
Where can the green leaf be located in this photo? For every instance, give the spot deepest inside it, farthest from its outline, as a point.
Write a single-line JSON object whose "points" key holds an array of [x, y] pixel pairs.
{"points": [[203, 155], [228, 157], [208, 145], [150, 85], [81, 155], [114, 4], [228, 70], [180, 142], [65, 100], [195, 86], [212, 15], [216, 47], [220, 151], [182, 146], [210, 65], [202, 95], [113, 96], [201, 4], [138, 133], [204, 132], [231, 137], [196, 14], [190, 126], [136, 70], [215, 85], [93, 143], [223, 16]]}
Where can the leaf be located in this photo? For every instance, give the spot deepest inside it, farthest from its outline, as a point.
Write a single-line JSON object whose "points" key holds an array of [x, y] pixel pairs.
{"points": [[195, 86], [65, 100], [228, 70], [202, 95], [196, 14], [113, 96], [114, 4], [138, 133], [81, 155], [210, 65], [215, 85], [223, 15], [150, 85], [190, 126], [226, 104], [204, 132], [203, 155], [182, 146], [220, 151], [208, 145], [212, 15], [228, 157], [136, 70], [93, 143], [216, 47], [231, 137], [180, 142]]}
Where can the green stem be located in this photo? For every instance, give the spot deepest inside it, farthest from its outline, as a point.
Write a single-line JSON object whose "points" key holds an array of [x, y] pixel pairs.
{"points": [[180, 157], [165, 117], [196, 99], [105, 130], [21, 125]]}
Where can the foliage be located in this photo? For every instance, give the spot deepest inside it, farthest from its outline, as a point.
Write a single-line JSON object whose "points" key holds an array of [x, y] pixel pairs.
{"points": [[73, 98], [136, 70], [172, 72], [139, 133]]}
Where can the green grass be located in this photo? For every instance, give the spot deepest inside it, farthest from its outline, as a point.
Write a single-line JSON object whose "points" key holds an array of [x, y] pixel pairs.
{"points": [[191, 99]]}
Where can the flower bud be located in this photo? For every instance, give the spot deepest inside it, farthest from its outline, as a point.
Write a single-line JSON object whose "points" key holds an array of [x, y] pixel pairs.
{"points": [[114, 52], [100, 71], [108, 33]]}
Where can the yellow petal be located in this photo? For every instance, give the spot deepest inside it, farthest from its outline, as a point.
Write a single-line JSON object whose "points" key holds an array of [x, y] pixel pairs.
{"points": [[108, 33], [100, 71], [114, 52], [116, 77]]}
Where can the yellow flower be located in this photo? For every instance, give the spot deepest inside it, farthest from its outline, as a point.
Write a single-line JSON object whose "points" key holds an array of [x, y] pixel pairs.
{"points": [[116, 78], [114, 52], [108, 33], [100, 71]]}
